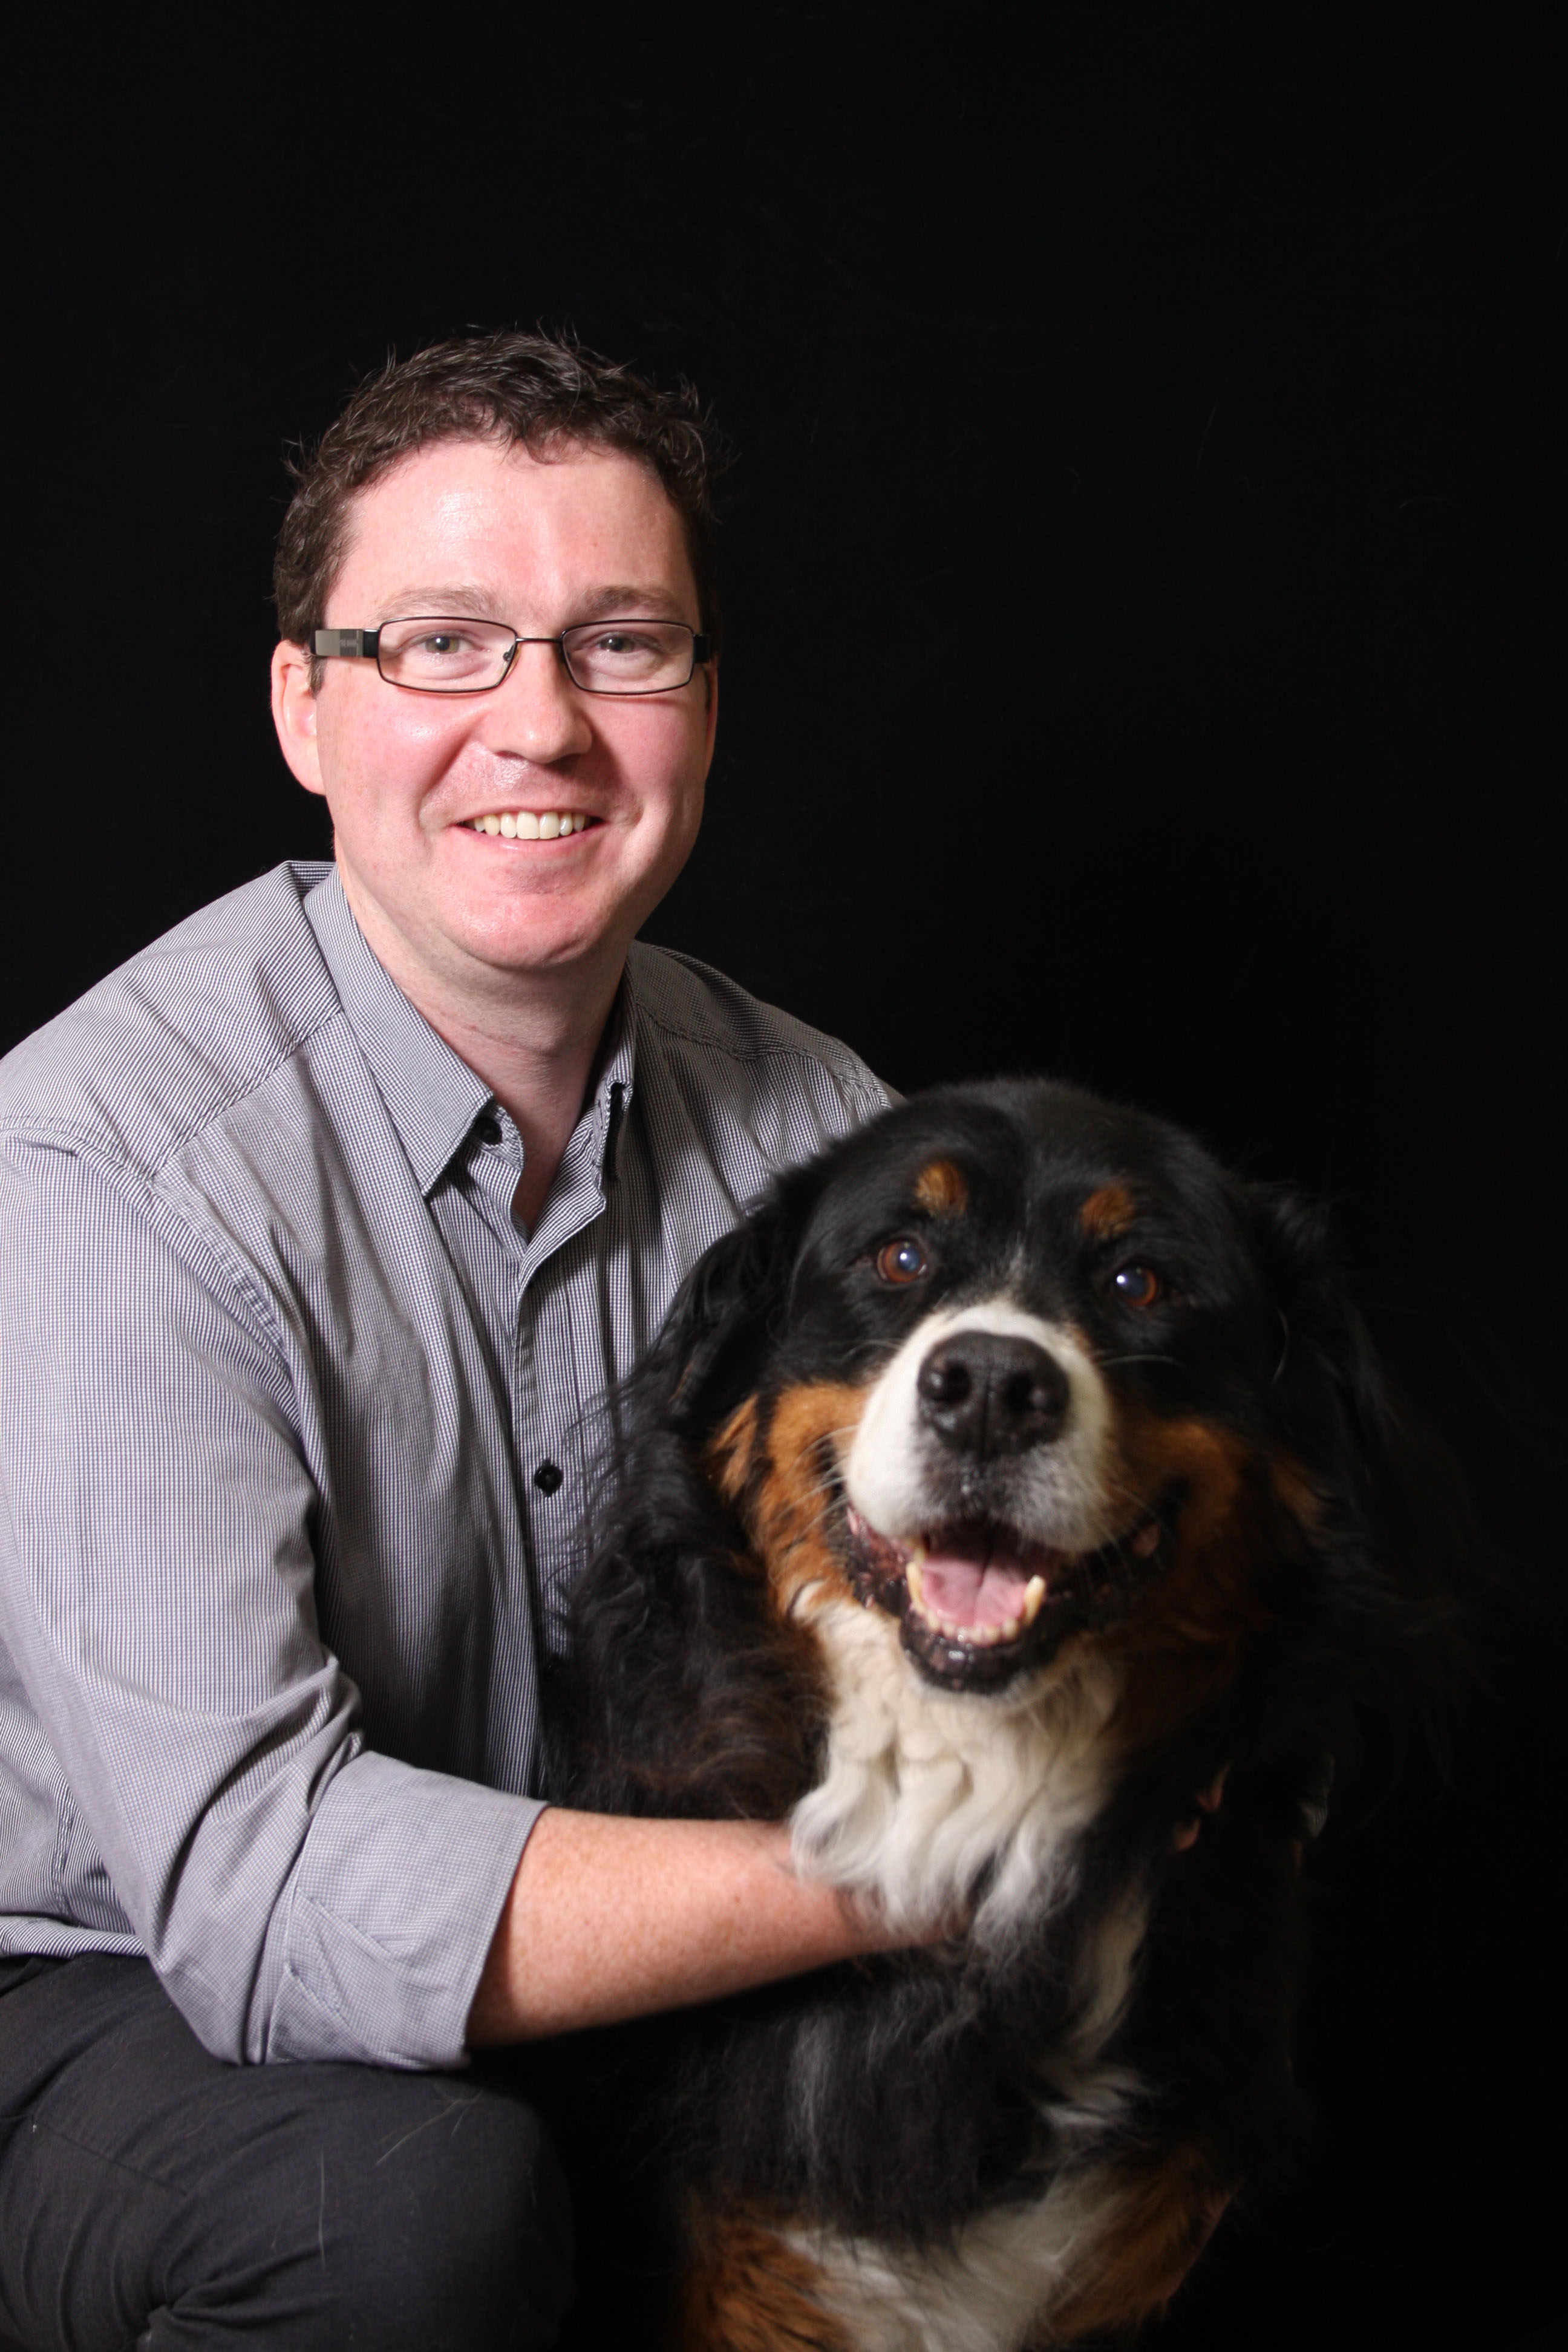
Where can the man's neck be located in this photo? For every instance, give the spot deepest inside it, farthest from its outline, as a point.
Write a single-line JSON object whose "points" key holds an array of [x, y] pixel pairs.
{"points": [[534, 1038]]}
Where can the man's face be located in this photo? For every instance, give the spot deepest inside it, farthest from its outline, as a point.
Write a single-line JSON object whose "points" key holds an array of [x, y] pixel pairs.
{"points": [[488, 532]]}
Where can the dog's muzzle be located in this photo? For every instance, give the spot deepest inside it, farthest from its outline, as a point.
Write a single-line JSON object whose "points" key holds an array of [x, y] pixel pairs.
{"points": [[979, 1597]]}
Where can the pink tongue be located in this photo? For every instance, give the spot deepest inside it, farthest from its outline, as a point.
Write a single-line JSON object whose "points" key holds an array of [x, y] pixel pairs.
{"points": [[974, 1592]]}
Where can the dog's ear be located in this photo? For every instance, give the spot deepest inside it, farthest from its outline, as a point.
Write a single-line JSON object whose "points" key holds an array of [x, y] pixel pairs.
{"points": [[1390, 1500], [681, 1697], [710, 1352]]}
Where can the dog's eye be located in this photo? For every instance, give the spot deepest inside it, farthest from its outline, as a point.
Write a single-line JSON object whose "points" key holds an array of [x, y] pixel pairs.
{"points": [[901, 1261], [1137, 1285]]}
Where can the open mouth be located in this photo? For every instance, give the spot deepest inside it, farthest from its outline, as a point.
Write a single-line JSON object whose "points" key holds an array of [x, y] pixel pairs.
{"points": [[978, 1603]]}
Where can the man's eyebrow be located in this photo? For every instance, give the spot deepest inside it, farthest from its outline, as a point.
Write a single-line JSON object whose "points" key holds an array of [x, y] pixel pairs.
{"points": [[630, 600], [464, 601]]}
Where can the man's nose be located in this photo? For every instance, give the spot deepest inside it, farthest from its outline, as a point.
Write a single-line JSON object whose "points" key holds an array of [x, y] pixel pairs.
{"points": [[536, 711]]}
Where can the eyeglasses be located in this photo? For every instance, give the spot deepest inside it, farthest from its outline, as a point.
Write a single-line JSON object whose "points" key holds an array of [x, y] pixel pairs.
{"points": [[445, 656]]}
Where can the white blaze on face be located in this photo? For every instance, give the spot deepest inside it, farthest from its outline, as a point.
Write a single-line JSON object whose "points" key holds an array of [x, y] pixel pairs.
{"points": [[899, 1473]]}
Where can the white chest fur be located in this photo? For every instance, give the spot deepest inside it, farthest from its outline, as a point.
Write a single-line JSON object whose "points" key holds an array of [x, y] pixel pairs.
{"points": [[925, 1790], [924, 1793]]}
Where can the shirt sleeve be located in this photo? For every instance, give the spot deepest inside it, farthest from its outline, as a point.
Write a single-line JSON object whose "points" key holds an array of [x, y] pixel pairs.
{"points": [[299, 1896]]}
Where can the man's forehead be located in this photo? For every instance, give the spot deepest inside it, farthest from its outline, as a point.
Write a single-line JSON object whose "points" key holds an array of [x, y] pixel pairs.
{"points": [[458, 519]]}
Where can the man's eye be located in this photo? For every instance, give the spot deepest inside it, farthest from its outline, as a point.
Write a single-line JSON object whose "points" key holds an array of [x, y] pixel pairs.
{"points": [[1137, 1285], [901, 1261]]}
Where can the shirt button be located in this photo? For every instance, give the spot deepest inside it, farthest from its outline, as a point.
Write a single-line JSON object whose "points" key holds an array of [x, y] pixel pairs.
{"points": [[486, 1126], [547, 1477]]}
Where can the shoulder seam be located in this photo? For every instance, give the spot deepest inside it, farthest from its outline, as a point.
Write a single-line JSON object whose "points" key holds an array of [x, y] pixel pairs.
{"points": [[154, 1203], [93, 1138], [838, 1060]]}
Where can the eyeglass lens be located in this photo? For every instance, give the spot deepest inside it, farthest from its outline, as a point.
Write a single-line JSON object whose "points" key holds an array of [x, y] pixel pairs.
{"points": [[459, 657]]}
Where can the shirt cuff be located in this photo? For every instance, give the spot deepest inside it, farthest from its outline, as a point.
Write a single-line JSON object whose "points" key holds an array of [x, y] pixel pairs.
{"points": [[394, 1907]]}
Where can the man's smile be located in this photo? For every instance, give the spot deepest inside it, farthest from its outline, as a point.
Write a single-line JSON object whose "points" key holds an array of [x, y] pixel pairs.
{"points": [[530, 824]]}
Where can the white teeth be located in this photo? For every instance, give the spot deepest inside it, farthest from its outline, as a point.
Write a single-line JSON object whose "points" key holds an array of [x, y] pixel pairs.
{"points": [[522, 824], [1033, 1593]]}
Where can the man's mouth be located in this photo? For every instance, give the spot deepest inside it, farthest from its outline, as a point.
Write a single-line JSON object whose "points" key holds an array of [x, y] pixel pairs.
{"points": [[529, 825], [977, 1602]]}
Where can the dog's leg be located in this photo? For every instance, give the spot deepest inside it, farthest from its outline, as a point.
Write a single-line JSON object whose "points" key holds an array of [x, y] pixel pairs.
{"points": [[1164, 2217], [747, 2291]]}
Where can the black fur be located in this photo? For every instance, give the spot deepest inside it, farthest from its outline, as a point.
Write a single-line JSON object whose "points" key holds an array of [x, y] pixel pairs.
{"points": [[934, 2071]]}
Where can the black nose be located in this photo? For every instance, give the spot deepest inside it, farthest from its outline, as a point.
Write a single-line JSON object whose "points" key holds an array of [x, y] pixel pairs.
{"points": [[987, 1392]]}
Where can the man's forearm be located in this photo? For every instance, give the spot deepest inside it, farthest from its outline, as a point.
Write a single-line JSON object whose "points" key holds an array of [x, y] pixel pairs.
{"points": [[609, 1919]]}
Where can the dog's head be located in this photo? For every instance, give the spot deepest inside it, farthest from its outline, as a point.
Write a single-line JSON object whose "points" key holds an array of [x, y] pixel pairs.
{"points": [[1025, 1370]]}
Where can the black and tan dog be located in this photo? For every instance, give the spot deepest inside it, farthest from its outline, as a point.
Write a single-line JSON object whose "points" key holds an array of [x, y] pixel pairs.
{"points": [[1016, 1503]]}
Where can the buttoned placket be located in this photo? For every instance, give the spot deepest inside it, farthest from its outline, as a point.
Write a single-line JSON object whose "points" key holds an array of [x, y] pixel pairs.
{"points": [[554, 1448]]}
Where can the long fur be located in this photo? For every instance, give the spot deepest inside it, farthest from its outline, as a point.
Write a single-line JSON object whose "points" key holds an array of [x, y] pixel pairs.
{"points": [[1024, 2132]]}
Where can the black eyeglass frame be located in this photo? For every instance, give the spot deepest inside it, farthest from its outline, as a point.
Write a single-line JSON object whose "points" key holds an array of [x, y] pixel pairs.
{"points": [[365, 644]]}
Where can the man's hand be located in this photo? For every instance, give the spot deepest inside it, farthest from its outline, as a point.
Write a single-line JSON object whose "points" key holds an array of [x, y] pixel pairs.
{"points": [[609, 1919]]}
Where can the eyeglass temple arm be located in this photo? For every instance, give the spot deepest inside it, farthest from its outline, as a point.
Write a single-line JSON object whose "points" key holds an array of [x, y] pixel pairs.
{"points": [[356, 644]]}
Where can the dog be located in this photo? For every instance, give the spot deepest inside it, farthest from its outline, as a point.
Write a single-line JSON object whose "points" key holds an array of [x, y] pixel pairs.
{"points": [[1015, 1502]]}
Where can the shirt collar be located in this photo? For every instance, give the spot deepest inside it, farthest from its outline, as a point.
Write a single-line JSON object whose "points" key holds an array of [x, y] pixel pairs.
{"points": [[613, 1087], [431, 1095]]}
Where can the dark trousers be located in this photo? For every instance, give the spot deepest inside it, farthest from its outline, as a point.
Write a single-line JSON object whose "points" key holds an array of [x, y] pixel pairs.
{"points": [[152, 2197]]}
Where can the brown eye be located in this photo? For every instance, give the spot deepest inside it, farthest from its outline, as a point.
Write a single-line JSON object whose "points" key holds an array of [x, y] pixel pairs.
{"points": [[900, 1261], [1137, 1285]]}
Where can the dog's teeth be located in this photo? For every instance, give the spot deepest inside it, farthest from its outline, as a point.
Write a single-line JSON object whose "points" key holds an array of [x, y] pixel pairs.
{"points": [[914, 1579], [1008, 1630], [1033, 1593]]}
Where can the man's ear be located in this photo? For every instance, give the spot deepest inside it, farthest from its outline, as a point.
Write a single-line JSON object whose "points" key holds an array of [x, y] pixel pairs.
{"points": [[711, 678], [294, 713]]}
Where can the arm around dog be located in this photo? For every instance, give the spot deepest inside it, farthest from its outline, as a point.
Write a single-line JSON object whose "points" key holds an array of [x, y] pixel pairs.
{"points": [[610, 1918]]}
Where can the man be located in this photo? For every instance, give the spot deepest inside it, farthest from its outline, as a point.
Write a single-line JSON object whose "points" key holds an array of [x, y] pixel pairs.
{"points": [[330, 1221]]}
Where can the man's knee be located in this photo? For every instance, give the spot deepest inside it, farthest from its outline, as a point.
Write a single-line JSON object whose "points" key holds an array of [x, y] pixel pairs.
{"points": [[459, 2230], [158, 2195], [424, 2211]]}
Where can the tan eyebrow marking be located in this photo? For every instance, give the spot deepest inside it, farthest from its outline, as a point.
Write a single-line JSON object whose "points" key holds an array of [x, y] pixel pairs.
{"points": [[1108, 1213], [941, 1190]]}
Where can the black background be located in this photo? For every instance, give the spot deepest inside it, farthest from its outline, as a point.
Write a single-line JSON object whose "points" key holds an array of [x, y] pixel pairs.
{"points": [[1142, 570]]}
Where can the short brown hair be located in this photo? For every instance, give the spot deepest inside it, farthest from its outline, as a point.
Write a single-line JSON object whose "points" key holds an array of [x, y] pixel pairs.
{"points": [[542, 390]]}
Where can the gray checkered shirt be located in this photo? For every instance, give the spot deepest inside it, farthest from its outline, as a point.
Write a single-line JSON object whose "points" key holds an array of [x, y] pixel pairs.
{"points": [[300, 1435]]}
